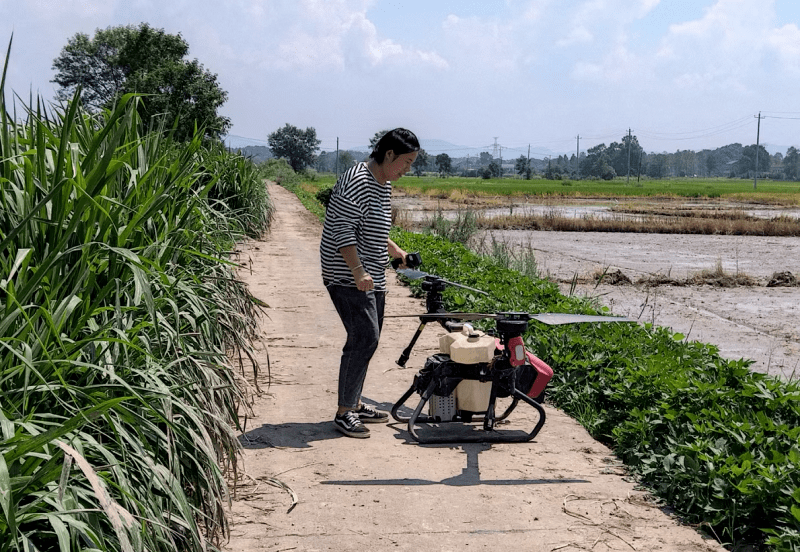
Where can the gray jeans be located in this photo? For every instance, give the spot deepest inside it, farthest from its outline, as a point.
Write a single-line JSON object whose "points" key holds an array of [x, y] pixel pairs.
{"points": [[362, 316]]}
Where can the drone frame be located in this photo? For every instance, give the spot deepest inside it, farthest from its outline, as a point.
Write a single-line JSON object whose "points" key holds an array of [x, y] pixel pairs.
{"points": [[509, 324]]}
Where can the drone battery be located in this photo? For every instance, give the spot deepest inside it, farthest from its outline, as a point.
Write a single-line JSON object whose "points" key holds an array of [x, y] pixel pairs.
{"points": [[442, 409]]}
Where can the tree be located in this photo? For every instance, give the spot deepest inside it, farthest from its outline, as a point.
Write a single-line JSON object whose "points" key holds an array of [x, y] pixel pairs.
{"points": [[295, 145], [711, 164], [346, 160], [421, 163], [523, 167], [492, 170], [148, 61], [747, 163], [658, 165], [791, 163], [444, 164], [597, 164]]}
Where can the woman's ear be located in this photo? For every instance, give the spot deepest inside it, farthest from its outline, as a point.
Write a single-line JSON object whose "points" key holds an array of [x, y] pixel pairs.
{"points": [[389, 156]]}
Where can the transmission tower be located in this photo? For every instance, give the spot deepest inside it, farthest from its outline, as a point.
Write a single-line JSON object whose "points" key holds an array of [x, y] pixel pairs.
{"points": [[496, 148]]}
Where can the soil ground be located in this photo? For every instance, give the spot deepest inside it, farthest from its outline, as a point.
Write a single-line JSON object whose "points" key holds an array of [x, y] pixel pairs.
{"points": [[303, 486]]}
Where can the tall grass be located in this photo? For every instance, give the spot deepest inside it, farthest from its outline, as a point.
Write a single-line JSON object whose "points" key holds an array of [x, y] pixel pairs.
{"points": [[460, 230], [118, 313]]}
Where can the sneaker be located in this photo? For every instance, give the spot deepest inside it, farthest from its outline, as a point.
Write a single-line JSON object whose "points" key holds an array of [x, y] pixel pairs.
{"points": [[349, 424], [368, 415]]}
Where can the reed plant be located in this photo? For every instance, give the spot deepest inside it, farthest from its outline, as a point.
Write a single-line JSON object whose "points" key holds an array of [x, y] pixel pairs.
{"points": [[119, 312], [520, 258], [460, 230]]}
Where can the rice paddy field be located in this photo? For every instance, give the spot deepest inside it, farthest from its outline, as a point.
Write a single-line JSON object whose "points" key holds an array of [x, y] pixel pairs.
{"points": [[766, 191], [119, 314]]}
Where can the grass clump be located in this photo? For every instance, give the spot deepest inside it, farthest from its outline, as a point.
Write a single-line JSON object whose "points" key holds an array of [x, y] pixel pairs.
{"points": [[119, 309]]}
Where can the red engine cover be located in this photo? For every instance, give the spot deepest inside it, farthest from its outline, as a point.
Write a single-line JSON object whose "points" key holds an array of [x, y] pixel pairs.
{"points": [[543, 371]]}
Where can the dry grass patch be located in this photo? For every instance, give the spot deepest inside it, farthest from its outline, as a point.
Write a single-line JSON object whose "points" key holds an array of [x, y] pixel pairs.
{"points": [[648, 224]]}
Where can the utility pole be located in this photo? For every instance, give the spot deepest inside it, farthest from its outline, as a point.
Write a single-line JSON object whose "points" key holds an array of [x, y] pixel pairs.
{"points": [[629, 157], [528, 167], [337, 158], [501, 161], [758, 137], [578, 156]]}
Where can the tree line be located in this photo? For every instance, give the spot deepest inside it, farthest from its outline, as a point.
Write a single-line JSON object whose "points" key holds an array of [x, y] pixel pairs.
{"points": [[623, 158]]}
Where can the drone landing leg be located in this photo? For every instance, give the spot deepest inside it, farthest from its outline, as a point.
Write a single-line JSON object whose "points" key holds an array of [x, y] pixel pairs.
{"points": [[407, 351], [489, 419], [539, 408], [426, 395], [400, 403]]}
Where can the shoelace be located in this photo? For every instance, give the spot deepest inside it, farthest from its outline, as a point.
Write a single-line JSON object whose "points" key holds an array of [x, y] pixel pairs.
{"points": [[351, 418]]}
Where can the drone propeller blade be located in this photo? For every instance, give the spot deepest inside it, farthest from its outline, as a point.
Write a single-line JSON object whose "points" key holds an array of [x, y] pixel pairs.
{"points": [[464, 287], [554, 319], [411, 274], [445, 315]]}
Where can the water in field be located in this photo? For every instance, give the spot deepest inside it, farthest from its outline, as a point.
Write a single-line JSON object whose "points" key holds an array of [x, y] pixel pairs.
{"points": [[419, 210]]}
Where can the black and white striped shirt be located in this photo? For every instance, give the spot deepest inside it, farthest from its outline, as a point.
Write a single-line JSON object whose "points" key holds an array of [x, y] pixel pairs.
{"points": [[360, 214]]}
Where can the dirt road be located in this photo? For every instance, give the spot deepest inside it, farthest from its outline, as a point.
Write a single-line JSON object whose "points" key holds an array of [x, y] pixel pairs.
{"points": [[561, 492]]}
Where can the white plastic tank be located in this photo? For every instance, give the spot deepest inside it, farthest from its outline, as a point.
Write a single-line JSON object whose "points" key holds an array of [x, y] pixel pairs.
{"points": [[473, 395]]}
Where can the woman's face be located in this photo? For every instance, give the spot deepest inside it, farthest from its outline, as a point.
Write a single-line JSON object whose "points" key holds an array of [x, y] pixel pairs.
{"points": [[395, 166]]}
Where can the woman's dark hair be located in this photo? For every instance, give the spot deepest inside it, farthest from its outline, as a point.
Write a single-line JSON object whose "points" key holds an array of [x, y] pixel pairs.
{"points": [[399, 140]]}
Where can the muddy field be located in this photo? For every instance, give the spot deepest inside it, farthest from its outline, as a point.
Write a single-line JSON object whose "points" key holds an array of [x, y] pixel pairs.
{"points": [[756, 322]]}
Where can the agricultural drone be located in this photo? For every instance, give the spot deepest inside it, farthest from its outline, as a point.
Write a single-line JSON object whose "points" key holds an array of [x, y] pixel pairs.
{"points": [[473, 369]]}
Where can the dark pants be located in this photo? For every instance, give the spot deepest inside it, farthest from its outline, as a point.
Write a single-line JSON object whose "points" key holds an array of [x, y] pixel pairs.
{"points": [[362, 316]]}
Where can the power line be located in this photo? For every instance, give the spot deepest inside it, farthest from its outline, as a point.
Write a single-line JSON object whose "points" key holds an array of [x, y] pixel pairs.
{"points": [[679, 136]]}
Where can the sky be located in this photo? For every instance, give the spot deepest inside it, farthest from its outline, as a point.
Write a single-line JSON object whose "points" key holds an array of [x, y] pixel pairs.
{"points": [[555, 75]]}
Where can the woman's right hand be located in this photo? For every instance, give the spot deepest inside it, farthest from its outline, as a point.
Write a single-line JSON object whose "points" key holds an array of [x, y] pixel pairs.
{"points": [[363, 280]]}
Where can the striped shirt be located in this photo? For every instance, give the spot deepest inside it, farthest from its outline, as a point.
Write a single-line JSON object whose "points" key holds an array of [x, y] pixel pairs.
{"points": [[360, 214]]}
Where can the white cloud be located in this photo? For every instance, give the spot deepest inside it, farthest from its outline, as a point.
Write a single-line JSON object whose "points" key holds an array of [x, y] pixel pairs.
{"points": [[786, 42], [725, 47], [338, 35], [603, 26]]}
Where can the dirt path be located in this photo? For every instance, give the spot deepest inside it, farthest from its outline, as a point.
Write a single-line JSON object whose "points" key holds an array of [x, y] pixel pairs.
{"points": [[562, 491]]}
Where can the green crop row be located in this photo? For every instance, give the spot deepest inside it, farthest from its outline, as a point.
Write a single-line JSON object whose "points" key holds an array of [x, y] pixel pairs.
{"points": [[119, 310], [770, 191], [716, 441]]}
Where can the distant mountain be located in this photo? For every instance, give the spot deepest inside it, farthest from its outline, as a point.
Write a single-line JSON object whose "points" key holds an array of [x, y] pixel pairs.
{"points": [[238, 142], [773, 149]]}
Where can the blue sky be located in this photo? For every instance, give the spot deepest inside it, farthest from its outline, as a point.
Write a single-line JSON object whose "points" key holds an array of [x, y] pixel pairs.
{"points": [[682, 74]]}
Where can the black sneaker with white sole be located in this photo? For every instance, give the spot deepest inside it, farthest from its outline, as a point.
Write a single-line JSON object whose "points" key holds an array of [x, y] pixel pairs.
{"points": [[368, 415], [349, 424]]}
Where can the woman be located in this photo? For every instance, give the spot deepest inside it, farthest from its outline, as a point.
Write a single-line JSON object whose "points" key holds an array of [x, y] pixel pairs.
{"points": [[353, 253]]}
